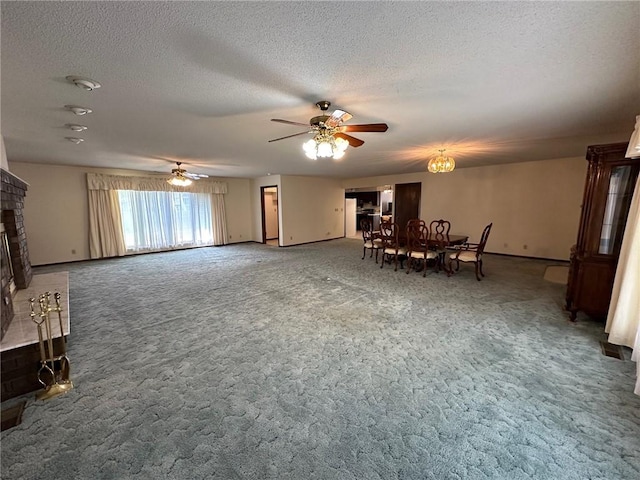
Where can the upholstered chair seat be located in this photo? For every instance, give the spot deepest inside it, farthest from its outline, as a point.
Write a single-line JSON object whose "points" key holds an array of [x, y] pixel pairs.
{"points": [[429, 255], [471, 253], [377, 243], [395, 251], [466, 256]]}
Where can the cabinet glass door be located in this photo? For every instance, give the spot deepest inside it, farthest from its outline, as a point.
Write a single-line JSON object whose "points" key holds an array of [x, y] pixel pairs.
{"points": [[621, 183]]}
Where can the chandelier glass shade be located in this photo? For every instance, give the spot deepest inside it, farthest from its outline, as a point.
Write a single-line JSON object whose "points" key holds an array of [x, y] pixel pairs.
{"points": [[179, 181], [441, 164], [325, 145]]}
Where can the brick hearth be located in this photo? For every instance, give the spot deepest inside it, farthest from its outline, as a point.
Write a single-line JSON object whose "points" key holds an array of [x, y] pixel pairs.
{"points": [[14, 191]]}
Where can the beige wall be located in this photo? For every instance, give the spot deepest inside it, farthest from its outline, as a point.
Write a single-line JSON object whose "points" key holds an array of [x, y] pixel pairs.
{"points": [[3, 155], [56, 217], [237, 203], [312, 209], [534, 206], [57, 213]]}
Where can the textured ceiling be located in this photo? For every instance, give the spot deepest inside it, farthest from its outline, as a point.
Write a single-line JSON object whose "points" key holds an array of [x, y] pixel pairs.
{"points": [[198, 82]]}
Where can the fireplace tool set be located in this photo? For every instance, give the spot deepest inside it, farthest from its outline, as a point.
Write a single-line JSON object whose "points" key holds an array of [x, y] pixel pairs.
{"points": [[54, 369]]}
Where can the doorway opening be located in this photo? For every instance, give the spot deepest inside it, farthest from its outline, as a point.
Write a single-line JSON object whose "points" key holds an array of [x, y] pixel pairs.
{"points": [[372, 203], [270, 228]]}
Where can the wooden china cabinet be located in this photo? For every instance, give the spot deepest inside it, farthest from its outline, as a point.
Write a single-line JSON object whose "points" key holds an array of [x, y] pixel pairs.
{"points": [[608, 190]]}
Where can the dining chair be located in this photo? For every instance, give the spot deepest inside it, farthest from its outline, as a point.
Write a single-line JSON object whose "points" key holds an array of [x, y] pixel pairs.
{"points": [[471, 253], [389, 234], [440, 227], [415, 222], [439, 239], [418, 250], [371, 238]]}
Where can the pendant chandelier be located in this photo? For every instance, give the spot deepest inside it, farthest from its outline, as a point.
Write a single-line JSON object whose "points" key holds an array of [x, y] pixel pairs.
{"points": [[325, 145], [441, 163]]}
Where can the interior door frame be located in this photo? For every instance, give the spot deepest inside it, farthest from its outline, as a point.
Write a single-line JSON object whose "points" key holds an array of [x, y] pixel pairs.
{"points": [[263, 213]]}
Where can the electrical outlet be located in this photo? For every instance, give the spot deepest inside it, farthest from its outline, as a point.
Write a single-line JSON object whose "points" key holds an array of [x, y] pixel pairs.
{"points": [[524, 247], [230, 237], [73, 252]]}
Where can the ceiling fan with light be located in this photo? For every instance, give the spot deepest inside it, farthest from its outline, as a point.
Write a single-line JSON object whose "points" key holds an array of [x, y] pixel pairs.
{"points": [[181, 178], [329, 134]]}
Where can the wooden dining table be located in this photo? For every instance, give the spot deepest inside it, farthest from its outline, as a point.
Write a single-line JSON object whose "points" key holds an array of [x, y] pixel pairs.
{"points": [[448, 241], [451, 240]]}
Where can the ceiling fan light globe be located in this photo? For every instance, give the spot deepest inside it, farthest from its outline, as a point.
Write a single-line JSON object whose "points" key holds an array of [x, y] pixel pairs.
{"points": [[311, 154], [179, 181], [325, 149], [341, 144], [309, 145], [337, 155]]}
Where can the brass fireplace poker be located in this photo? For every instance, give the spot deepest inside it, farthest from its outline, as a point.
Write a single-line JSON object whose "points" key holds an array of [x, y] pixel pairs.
{"points": [[54, 369]]}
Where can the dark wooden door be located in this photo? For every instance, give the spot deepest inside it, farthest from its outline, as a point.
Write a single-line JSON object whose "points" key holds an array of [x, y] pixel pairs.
{"points": [[407, 203]]}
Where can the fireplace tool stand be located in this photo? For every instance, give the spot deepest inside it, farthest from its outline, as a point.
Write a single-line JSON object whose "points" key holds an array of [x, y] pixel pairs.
{"points": [[54, 369]]}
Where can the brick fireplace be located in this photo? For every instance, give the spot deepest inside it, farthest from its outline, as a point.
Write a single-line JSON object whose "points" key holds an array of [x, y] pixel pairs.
{"points": [[15, 254]]}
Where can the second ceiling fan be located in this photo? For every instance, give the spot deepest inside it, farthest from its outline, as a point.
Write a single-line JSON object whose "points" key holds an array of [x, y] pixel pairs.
{"points": [[330, 137]]}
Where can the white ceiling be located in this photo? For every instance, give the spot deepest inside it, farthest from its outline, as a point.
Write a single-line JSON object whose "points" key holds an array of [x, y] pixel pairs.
{"points": [[198, 82]]}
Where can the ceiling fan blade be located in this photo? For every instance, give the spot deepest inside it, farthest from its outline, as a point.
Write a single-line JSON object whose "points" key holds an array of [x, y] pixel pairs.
{"points": [[367, 127], [195, 176], [353, 141], [289, 136], [289, 122], [337, 118]]}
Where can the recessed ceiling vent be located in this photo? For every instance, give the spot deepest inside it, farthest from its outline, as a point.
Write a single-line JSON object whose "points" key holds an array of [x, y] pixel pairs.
{"points": [[83, 82], [78, 110], [75, 127]]}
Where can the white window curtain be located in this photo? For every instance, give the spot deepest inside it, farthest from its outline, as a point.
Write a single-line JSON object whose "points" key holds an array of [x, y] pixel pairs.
{"points": [[105, 217], [163, 220], [623, 318], [105, 225], [219, 219]]}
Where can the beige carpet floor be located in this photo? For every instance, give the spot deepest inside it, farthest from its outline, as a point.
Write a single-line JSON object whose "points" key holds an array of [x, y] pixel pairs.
{"points": [[557, 274]]}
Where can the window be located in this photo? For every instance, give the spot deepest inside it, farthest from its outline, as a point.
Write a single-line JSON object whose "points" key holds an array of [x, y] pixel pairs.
{"points": [[165, 220]]}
